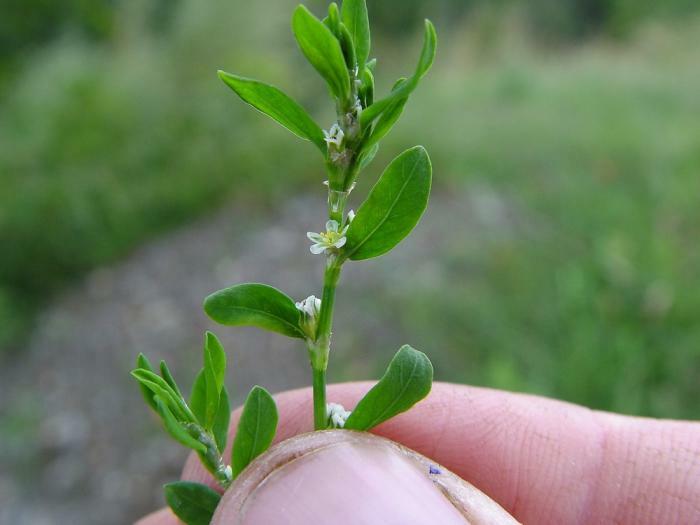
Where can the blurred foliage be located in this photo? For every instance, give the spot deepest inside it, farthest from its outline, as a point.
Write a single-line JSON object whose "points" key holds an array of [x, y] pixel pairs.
{"points": [[576, 274], [27, 24], [101, 147], [577, 271]]}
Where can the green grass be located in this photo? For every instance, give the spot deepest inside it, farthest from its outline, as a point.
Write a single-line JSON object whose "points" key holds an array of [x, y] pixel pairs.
{"points": [[580, 275]]}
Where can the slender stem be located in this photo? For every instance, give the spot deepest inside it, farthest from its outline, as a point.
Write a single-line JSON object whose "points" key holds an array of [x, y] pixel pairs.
{"points": [[320, 350], [338, 191], [211, 459], [320, 418], [325, 321]]}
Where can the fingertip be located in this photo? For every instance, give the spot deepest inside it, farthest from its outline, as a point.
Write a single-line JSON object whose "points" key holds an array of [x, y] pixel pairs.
{"points": [[356, 478]]}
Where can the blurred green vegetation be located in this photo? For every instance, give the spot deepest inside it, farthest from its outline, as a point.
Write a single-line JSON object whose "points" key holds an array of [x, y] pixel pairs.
{"points": [[580, 277], [585, 285]]}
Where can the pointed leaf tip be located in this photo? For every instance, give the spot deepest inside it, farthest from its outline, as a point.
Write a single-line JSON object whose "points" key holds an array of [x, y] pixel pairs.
{"points": [[425, 61], [407, 380], [277, 105], [322, 49]]}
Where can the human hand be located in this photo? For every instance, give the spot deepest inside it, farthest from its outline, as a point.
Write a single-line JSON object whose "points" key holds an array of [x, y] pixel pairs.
{"points": [[543, 460]]}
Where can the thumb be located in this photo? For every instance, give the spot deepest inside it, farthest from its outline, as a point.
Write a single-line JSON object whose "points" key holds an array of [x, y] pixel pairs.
{"points": [[344, 477]]}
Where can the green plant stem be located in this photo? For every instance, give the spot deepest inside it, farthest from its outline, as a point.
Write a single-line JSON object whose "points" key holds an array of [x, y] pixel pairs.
{"points": [[320, 350], [211, 459], [319, 386]]}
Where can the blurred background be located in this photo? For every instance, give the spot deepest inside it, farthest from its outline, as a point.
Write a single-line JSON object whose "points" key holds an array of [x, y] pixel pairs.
{"points": [[559, 254]]}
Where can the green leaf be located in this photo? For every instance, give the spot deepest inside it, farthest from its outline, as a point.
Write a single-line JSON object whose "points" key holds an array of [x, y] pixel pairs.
{"points": [[214, 360], [386, 121], [406, 381], [193, 503], [176, 429], [143, 363], [424, 62], [161, 388], [367, 156], [393, 207], [256, 428], [165, 372], [322, 49], [254, 304], [347, 46], [276, 104], [198, 397], [221, 420], [367, 88], [354, 13], [214, 370], [332, 21]]}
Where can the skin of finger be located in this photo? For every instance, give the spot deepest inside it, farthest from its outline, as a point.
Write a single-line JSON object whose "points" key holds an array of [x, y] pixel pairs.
{"points": [[543, 460]]}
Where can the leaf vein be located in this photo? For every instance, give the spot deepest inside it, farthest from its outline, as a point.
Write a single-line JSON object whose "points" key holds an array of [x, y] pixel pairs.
{"points": [[380, 416], [388, 213], [267, 314]]}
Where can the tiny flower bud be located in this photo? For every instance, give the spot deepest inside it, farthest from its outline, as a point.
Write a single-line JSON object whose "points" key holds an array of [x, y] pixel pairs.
{"points": [[310, 309], [334, 135], [337, 415]]}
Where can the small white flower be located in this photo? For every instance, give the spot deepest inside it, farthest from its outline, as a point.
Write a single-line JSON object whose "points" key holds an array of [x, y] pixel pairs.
{"points": [[334, 135], [328, 240], [337, 415], [310, 306]]}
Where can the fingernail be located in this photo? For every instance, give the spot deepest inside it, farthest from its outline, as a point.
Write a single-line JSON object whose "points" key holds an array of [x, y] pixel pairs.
{"points": [[349, 483]]}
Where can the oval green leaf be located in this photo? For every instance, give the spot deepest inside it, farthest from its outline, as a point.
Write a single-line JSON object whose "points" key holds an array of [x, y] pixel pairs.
{"points": [[347, 47], [393, 207], [193, 503], [322, 49], [425, 61], [223, 415], [254, 304], [198, 398], [256, 429], [276, 104], [354, 13], [407, 380], [332, 21], [214, 370]]}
